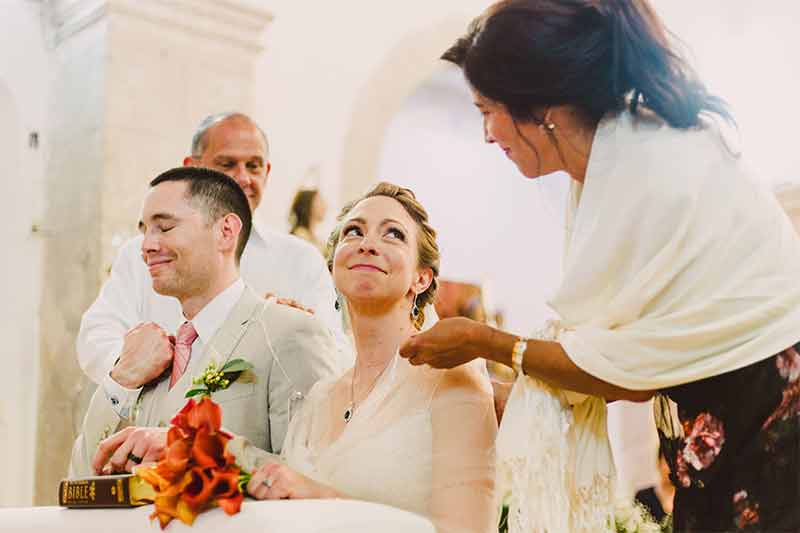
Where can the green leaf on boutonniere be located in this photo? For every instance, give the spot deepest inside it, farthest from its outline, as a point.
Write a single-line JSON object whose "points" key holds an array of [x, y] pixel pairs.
{"points": [[236, 365], [194, 391]]}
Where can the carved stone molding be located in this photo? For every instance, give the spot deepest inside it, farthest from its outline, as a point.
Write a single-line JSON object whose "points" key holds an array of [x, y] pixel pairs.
{"points": [[240, 23]]}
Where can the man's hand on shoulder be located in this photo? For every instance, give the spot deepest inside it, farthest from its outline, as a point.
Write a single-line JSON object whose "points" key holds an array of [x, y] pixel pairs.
{"points": [[289, 302], [146, 353]]}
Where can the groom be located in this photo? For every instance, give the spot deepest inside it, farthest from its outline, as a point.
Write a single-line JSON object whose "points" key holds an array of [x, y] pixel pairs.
{"points": [[195, 223]]}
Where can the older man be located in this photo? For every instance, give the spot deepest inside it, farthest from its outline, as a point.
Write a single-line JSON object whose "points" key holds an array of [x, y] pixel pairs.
{"points": [[272, 263], [195, 223]]}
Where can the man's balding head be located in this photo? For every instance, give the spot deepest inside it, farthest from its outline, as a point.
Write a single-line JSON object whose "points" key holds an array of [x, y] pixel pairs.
{"points": [[233, 143]]}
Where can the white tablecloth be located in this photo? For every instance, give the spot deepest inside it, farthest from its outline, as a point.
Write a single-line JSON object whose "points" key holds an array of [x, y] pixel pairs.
{"points": [[284, 516]]}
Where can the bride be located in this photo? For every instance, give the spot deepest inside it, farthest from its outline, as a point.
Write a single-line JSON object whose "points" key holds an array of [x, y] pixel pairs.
{"points": [[416, 438]]}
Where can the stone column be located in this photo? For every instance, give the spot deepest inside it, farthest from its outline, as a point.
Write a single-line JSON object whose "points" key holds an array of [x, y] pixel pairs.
{"points": [[132, 79]]}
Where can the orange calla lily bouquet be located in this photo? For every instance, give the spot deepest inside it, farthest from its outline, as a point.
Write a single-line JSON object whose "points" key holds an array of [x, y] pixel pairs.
{"points": [[196, 473]]}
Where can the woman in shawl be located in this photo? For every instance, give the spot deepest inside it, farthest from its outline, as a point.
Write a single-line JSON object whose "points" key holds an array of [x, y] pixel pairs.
{"points": [[680, 276]]}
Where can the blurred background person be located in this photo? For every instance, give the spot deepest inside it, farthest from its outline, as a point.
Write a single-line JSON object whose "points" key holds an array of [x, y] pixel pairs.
{"points": [[307, 212]]}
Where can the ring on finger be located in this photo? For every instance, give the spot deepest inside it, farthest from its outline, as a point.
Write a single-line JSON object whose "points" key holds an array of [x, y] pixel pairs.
{"points": [[134, 458], [268, 482]]}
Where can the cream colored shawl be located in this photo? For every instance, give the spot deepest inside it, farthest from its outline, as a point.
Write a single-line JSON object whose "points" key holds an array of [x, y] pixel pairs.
{"points": [[678, 266]]}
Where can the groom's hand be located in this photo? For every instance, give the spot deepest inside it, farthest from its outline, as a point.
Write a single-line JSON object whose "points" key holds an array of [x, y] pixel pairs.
{"points": [[126, 449], [146, 353]]}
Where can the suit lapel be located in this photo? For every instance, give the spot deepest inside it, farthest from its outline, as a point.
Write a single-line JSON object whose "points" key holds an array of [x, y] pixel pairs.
{"points": [[222, 344]]}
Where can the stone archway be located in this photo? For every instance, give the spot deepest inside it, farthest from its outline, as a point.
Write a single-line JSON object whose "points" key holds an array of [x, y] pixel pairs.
{"points": [[407, 66]]}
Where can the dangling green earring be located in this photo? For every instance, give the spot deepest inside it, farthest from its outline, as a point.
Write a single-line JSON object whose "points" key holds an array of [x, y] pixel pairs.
{"points": [[415, 309]]}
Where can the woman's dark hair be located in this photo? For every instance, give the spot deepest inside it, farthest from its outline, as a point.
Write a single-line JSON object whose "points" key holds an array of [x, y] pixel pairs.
{"points": [[300, 212], [595, 55]]}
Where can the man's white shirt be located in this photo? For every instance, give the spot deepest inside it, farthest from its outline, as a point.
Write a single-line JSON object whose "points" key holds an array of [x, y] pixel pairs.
{"points": [[272, 262]]}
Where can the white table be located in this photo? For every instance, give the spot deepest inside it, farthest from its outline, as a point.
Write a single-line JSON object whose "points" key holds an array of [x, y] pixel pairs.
{"points": [[284, 516]]}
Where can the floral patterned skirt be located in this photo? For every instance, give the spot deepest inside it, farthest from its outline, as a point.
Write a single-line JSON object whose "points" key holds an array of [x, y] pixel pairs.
{"points": [[733, 447]]}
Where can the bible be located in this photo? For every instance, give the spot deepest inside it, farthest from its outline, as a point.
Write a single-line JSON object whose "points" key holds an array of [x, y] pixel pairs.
{"points": [[127, 490]]}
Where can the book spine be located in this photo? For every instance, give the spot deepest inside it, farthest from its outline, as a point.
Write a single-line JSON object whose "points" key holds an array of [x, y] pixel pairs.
{"points": [[95, 492]]}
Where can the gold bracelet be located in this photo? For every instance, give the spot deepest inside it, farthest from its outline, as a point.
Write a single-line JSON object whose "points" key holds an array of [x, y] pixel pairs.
{"points": [[516, 355]]}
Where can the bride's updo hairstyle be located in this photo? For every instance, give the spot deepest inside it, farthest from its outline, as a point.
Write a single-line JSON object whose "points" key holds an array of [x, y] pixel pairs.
{"points": [[598, 56], [428, 250]]}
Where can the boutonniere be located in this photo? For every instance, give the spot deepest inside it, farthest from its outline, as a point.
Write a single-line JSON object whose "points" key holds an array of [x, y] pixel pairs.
{"points": [[215, 379]]}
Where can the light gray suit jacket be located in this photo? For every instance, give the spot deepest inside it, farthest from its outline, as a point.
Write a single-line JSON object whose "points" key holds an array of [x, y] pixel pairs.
{"points": [[289, 349]]}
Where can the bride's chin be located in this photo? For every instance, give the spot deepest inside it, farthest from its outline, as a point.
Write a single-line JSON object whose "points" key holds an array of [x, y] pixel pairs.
{"points": [[371, 304]]}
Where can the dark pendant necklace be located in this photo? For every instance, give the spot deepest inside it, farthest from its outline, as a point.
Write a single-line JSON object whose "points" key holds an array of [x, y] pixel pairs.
{"points": [[351, 409]]}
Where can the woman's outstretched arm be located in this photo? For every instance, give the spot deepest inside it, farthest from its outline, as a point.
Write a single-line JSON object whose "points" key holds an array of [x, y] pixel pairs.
{"points": [[454, 341]]}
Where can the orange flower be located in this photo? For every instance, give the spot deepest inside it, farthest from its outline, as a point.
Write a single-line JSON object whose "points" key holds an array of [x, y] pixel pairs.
{"points": [[195, 415], [176, 458], [196, 472], [181, 419], [200, 490], [226, 481], [208, 449], [167, 500], [210, 483], [231, 505]]}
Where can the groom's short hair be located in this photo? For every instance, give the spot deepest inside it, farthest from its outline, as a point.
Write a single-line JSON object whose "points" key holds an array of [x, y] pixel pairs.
{"points": [[215, 195]]}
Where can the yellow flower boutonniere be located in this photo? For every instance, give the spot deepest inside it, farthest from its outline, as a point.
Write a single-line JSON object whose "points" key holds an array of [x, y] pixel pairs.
{"points": [[215, 379]]}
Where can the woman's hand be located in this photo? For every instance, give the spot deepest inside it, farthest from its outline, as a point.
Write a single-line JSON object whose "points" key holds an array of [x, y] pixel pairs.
{"points": [[449, 343], [276, 481]]}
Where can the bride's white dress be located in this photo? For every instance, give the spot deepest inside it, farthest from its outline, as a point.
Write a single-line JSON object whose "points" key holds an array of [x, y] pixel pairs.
{"points": [[423, 441]]}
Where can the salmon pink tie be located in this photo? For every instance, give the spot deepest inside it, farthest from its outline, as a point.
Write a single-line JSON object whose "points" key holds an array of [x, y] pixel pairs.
{"points": [[183, 351]]}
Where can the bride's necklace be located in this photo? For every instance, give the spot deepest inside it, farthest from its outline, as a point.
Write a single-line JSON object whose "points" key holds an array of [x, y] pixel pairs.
{"points": [[351, 408]]}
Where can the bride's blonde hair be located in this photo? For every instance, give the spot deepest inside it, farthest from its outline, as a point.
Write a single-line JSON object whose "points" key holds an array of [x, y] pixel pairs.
{"points": [[427, 250]]}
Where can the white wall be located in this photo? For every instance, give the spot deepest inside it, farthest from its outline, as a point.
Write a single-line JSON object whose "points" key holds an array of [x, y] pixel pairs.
{"points": [[747, 52], [24, 79], [321, 63], [495, 227]]}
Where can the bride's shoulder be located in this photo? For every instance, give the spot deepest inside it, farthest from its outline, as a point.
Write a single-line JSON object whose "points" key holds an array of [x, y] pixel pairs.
{"points": [[470, 377]]}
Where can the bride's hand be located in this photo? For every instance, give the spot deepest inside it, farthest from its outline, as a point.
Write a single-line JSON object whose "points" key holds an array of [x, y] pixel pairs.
{"points": [[449, 343], [277, 481]]}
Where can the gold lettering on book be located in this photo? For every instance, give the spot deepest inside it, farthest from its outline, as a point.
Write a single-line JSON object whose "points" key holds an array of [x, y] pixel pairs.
{"points": [[120, 492], [79, 491]]}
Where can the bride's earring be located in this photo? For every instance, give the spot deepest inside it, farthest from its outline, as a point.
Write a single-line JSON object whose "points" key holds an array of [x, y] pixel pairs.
{"points": [[415, 309], [338, 303]]}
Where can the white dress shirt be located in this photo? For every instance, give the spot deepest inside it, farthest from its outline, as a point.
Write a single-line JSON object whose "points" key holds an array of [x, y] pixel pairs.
{"points": [[272, 262], [206, 323]]}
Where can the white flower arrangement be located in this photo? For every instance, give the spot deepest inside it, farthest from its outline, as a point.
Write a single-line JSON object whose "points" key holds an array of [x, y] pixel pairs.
{"points": [[630, 516]]}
